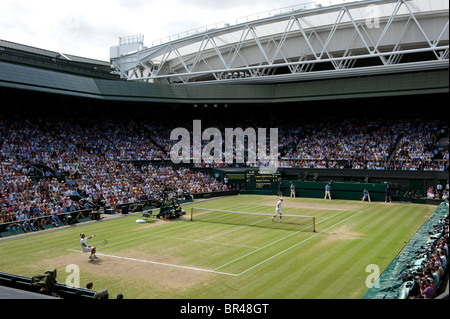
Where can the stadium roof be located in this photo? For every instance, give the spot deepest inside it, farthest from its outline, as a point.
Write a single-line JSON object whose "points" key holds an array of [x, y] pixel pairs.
{"points": [[358, 38], [41, 58], [43, 52], [423, 72], [37, 79]]}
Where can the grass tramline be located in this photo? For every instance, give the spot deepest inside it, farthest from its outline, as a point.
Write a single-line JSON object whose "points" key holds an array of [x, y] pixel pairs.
{"points": [[230, 249]]}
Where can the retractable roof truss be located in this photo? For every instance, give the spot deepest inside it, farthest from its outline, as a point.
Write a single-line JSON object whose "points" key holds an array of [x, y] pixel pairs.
{"points": [[303, 45]]}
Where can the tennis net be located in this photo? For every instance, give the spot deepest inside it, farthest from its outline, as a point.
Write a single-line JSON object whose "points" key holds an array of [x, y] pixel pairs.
{"points": [[287, 221]]}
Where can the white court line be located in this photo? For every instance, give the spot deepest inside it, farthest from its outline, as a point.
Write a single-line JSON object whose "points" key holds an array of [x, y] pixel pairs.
{"points": [[274, 242], [299, 243], [163, 264], [166, 229], [235, 229], [145, 235], [226, 273], [206, 241]]}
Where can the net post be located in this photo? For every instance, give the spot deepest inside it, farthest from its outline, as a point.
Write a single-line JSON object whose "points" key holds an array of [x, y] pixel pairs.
{"points": [[314, 223], [192, 213]]}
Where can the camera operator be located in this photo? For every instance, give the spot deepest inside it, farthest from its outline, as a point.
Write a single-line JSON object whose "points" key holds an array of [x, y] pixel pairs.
{"points": [[426, 290]]}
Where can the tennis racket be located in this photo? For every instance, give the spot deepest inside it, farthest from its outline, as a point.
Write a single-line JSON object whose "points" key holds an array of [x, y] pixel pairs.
{"points": [[104, 242]]}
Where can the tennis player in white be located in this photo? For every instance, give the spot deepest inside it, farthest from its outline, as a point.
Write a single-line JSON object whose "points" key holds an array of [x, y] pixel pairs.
{"points": [[86, 248], [278, 209]]}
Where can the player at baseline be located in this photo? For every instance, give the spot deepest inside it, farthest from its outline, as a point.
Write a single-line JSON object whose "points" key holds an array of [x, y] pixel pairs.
{"points": [[278, 209], [86, 248]]}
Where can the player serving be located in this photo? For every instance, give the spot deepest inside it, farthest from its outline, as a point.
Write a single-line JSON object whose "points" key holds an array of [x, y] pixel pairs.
{"points": [[278, 209], [86, 248]]}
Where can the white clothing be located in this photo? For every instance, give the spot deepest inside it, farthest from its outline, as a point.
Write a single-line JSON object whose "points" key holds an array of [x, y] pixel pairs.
{"points": [[84, 247], [278, 208]]}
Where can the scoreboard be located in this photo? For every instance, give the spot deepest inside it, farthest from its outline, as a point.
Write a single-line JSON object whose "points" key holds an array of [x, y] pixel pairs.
{"points": [[263, 176]]}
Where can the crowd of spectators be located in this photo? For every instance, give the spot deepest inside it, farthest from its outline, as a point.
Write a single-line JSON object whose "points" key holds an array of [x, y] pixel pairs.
{"points": [[45, 161], [52, 168], [351, 143], [396, 145], [430, 277], [350, 139], [439, 192], [30, 203]]}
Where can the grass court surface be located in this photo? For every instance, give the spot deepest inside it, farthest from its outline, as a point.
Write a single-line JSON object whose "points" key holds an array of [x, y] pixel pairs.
{"points": [[225, 258]]}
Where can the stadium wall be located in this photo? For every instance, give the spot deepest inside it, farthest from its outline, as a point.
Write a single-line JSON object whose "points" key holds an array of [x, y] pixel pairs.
{"points": [[341, 190], [398, 180], [346, 183]]}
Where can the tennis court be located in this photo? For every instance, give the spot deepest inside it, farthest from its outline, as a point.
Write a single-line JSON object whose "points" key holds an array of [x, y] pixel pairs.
{"points": [[221, 254]]}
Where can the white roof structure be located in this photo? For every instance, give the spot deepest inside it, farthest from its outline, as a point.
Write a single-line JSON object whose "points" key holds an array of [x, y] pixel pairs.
{"points": [[352, 39]]}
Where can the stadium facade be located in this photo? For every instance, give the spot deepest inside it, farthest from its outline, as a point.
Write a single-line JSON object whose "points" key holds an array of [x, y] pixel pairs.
{"points": [[345, 59], [359, 38], [376, 59], [357, 50]]}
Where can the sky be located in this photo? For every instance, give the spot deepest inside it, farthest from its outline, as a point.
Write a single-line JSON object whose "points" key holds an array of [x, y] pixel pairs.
{"points": [[88, 28]]}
